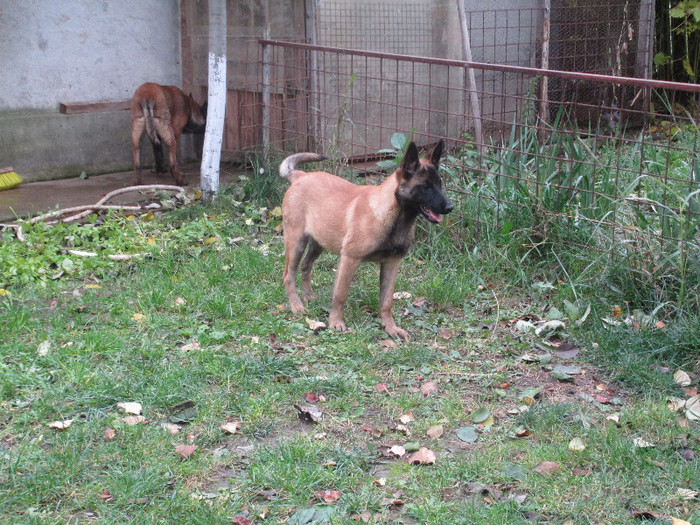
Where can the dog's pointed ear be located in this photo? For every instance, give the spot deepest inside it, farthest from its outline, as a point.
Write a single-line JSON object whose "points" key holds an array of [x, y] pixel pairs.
{"points": [[435, 154], [410, 163]]}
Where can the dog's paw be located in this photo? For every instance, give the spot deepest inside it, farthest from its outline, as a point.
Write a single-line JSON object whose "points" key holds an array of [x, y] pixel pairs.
{"points": [[397, 333], [338, 325], [297, 308]]}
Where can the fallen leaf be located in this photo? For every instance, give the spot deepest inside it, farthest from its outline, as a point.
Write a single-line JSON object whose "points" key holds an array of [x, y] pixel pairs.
{"points": [[567, 351], [183, 413], [581, 471], [179, 301], [133, 420], [231, 427], [402, 295], [388, 343], [380, 482], [424, 456], [480, 415], [44, 348], [640, 443], [309, 413], [419, 302], [435, 431], [682, 378], [172, 428], [194, 345], [130, 407], [576, 445], [429, 387], [406, 418], [687, 494], [398, 451], [692, 408], [467, 434], [676, 521], [315, 326], [109, 434], [328, 496], [137, 317], [61, 425], [185, 451], [546, 468], [106, 496], [310, 397], [382, 387]]}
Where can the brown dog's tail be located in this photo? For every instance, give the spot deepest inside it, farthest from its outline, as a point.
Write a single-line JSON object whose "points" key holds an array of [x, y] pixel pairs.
{"points": [[148, 108], [289, 165]]}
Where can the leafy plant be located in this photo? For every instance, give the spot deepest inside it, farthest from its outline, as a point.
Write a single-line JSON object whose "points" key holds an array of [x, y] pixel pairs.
{"points": [[400, 142]]}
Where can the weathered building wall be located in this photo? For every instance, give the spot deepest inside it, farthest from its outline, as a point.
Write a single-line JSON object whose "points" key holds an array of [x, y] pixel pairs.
{"points": [[76, 51]]}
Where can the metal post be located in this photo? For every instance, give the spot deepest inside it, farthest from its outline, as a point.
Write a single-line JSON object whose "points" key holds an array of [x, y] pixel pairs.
{"points": [[314, 99], [266, 59], [473, 96], [544, 82]]}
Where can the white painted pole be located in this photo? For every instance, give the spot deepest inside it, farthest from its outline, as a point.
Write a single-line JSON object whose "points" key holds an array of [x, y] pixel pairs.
{"points": [[216, 101]]}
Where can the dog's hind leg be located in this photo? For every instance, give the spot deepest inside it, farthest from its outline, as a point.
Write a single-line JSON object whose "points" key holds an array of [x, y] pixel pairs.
{"points": [[137, 127], [159, 157], [387, 278], [346, 270], [294, 246], [311, 255]]}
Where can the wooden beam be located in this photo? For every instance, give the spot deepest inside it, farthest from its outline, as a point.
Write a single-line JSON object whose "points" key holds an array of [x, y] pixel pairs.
{"points": [[70, 108]]}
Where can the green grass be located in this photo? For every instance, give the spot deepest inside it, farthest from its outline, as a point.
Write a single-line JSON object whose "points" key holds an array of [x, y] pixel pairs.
{"points": [[212, 275]]}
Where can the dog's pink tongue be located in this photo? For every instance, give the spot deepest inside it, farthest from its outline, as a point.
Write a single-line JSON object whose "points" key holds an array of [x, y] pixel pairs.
{"points": [[437, 217]]}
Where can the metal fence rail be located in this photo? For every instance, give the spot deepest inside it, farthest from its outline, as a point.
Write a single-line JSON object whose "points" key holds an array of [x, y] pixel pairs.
{"points": [[624, 168]]}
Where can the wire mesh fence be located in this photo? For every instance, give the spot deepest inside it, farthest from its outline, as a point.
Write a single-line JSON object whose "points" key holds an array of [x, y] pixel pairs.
{"points": [[618, 170]]}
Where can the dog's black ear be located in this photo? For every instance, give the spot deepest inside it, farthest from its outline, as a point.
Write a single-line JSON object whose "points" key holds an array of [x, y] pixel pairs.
{"points": [[410, 162], [435, 154]]}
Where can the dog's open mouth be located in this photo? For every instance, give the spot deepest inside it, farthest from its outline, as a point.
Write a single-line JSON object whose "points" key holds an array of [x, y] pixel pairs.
{"points": [[431, 215]]}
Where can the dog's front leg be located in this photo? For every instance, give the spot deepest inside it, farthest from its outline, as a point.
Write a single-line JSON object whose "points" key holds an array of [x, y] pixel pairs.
{"points": [[387, 277], [346, 270]]}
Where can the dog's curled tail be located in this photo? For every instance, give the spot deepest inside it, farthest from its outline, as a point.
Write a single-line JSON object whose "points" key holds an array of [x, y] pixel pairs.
{"points": [[148, 107], [290, 164]]}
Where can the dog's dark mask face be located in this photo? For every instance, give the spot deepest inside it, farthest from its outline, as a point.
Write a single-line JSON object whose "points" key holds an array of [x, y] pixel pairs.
{"points": [[420, 187]]}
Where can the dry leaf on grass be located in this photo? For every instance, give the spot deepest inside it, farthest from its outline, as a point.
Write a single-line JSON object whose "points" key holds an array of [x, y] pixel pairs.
{"points": [[407, 418], [428, 388], [315, 326], [328, 496], [382, 387], [133, 420], [398, 451], [194, 345], [435, 431], [231, 427], [109, 434], [309, 413], [61, 425], [172, 428], [682, 378], [546, 468], [130, 407], [185, 451], [576, 445], [424, 456]]}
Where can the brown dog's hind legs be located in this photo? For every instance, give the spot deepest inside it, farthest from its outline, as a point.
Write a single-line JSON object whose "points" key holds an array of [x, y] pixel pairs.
{"points": [[311, 255], [294, 248]]}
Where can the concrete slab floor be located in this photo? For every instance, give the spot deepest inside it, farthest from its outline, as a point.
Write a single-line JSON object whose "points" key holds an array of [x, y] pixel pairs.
{"points": [[39, 197]]}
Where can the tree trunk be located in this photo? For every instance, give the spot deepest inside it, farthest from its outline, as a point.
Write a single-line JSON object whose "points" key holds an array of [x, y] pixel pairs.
{"points": [[216, 100]]}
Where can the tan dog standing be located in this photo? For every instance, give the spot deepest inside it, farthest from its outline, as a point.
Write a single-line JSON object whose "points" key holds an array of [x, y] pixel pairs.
{"points": [[164, 112], [360, 223]]}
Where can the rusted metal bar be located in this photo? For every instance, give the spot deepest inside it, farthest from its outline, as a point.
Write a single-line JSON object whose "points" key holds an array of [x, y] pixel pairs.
{"points": [[531, 71]]}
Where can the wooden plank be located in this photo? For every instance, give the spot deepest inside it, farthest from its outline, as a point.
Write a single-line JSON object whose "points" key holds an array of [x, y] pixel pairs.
{"points": [[70, 108]]}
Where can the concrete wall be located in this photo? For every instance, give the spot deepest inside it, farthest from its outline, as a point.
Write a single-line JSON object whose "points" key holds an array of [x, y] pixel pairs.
{"points": [[78, 51]]}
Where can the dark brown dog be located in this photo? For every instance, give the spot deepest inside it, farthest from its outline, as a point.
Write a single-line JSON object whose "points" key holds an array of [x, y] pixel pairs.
{"points": [[360, 223], [164, 112]]}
